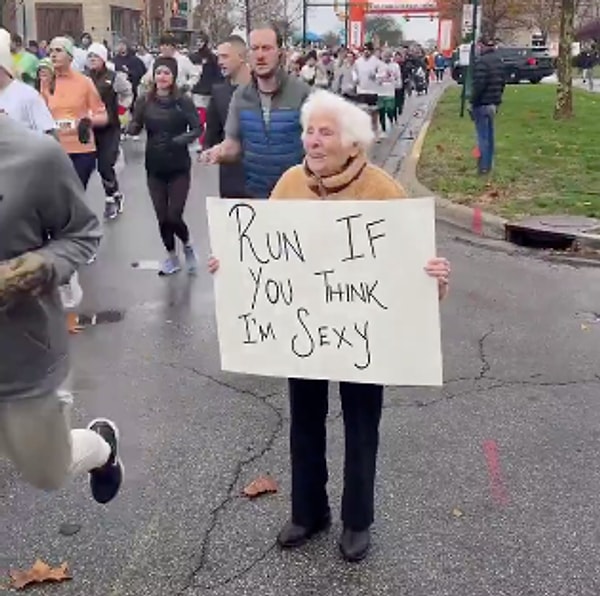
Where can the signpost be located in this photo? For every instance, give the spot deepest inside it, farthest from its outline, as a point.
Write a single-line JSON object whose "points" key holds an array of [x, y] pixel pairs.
{"points": [[475, 19]]}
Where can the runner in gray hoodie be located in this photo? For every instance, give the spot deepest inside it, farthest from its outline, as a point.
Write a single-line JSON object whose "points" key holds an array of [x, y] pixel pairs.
{"points": [[46, 233]]}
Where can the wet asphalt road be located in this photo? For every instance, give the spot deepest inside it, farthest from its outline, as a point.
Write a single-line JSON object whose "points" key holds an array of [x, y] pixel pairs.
{"points": [[488, 486]]}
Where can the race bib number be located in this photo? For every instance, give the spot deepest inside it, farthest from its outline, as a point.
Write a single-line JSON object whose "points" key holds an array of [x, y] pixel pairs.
{"points": [[65, 124]]}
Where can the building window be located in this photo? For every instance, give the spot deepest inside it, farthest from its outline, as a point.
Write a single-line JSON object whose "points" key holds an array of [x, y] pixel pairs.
{"points": [[116, 22], [125, 24]]}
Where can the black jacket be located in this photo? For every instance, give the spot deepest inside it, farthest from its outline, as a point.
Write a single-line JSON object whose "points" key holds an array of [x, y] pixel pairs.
{"points": [[211, 73], [105, 81], [172, 123], [488, 80], [232, 181], [132, 66]]}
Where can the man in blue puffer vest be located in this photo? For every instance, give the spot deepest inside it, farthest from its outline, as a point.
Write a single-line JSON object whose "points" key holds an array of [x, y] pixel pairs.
{"points": [[263, 125]]}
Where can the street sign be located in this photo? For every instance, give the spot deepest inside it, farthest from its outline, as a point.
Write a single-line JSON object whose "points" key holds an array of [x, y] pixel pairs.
{"points": [[356, 34], [467, 20], [464, 54]]}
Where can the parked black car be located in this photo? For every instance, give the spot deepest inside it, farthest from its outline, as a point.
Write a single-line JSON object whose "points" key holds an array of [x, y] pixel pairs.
{"points": [[520, 64]]}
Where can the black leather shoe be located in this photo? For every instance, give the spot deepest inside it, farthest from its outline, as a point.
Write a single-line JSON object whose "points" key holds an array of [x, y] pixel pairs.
{"points": [[354, 546], [292, 535]]}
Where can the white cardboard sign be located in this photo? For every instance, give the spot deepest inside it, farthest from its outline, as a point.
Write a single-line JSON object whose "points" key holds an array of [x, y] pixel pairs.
{"points": [[327, 289]]}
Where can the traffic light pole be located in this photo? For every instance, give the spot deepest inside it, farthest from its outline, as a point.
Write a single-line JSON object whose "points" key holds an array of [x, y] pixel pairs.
{"points": [[467, 80]]}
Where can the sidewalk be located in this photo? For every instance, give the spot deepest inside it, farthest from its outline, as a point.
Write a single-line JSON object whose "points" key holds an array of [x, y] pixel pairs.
{"points": [[577, 82]]}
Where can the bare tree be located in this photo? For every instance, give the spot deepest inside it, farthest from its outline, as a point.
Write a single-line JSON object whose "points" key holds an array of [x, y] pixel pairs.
{"points": [[503, 15], [266, 11], [213, 17], [545, 15], [331, 38], [563, 108], [386, 28]]}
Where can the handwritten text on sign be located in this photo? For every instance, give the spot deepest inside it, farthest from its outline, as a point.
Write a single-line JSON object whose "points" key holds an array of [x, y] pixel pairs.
{"points": [[327, 289]]}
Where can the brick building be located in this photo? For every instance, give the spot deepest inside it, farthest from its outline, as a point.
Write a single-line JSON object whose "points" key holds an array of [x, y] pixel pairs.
{"points": [[108, 20]]}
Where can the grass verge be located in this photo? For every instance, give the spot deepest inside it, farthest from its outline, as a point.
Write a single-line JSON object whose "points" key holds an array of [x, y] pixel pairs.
{"points": [[542, 166]]}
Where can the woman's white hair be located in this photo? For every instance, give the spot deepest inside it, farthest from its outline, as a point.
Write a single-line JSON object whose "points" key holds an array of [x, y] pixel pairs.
{"points": [[355, 124]]}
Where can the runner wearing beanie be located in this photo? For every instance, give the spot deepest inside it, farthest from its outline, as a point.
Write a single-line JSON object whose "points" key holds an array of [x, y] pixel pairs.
{"points": [[114, 89], [172, 123]]}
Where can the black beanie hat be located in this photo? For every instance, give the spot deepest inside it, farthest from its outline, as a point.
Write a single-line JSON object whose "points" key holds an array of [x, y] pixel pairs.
{"points": [[168, 62]]}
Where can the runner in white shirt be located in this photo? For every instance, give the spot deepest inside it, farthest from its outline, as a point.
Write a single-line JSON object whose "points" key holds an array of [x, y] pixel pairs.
{"points": [[388, 74], [19, 101], [367, 86]]}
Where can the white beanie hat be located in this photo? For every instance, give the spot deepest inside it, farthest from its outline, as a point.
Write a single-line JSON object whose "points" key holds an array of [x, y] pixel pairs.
{"points": [[6, 59], [99, 49]]}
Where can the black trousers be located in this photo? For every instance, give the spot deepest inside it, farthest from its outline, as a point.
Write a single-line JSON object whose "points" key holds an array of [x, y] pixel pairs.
{"points": [[108, 141], [169, 193], [84, 164], [399, 100], [361, 409]]}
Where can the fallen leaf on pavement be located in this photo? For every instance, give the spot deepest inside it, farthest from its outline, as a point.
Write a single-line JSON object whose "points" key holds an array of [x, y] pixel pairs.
{"points": [[490, 195], [263, 485], [38, 574], [456, 512]]}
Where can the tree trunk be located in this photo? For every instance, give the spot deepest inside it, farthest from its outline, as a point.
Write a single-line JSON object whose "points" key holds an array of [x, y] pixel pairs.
{"points": [[563, 107]]}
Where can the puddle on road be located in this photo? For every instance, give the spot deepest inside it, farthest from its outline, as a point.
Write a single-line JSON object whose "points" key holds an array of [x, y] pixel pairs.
{"points": [[146, 265], [101, 318]]}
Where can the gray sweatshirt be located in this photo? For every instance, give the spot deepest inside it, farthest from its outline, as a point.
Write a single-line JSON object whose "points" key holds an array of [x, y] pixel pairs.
{"points": [[41, 209]]}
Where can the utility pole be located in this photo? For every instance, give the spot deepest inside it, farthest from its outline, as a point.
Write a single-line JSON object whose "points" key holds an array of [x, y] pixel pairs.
{"points": [[248, 18], [286, 23], [468, 78], [304, 21], [347, 23]]}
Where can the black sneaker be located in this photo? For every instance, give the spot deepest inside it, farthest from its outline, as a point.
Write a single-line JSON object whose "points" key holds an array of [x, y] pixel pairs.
{"points": [[110, 209], [119, 201], [105, 482]]}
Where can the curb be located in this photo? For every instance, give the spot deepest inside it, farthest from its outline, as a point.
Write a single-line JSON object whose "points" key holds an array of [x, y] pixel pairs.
{"points": [[461, 216], [471, 219]]}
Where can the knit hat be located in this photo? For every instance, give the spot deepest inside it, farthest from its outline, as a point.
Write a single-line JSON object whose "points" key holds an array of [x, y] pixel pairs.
{"points": [[167, 62], [98, 49], [6, 59], [65, 43], [46, 63]]}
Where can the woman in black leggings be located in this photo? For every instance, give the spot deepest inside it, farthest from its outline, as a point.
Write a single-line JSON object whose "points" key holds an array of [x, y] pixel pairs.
{"points": [[172, 123]]}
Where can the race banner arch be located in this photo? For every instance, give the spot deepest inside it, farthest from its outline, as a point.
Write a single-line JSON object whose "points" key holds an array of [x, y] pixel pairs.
{"points": [[360, 9]]}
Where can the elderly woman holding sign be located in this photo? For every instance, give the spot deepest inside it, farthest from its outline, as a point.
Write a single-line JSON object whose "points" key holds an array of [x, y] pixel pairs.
{"points": [[336, 135]]}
